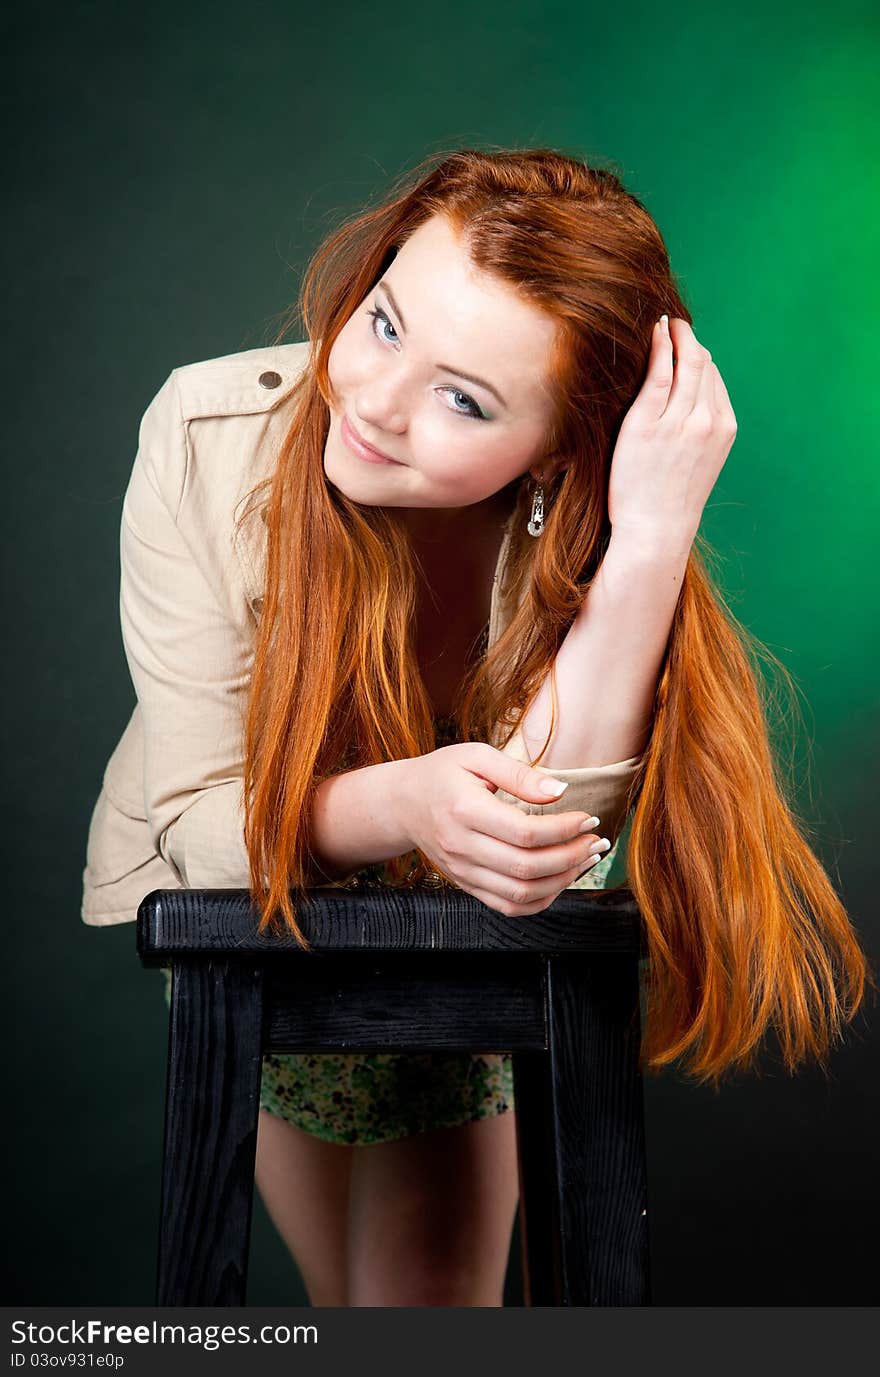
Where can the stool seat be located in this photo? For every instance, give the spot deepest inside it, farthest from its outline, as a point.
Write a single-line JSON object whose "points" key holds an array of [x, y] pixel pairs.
{"points": [[409, 970]]}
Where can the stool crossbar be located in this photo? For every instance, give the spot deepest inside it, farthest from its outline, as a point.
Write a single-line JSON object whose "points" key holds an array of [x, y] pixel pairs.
{"points": [[398, 971]]}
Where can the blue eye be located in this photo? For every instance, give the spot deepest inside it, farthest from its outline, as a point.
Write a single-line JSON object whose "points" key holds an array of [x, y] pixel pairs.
{"points": [[378, 314], [476, 412]]}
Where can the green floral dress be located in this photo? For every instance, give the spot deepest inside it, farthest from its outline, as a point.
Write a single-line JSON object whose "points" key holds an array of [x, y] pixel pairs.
{"points": [[374, 1097]]}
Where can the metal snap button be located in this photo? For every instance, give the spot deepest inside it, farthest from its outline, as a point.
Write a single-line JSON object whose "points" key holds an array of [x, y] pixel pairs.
{"points": [[270, 379]]}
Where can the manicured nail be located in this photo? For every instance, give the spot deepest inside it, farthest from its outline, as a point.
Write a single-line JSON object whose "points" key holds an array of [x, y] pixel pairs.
{"points": [[590, 863], [602, 845], [589, 825], [664, 323], [553, 787]]}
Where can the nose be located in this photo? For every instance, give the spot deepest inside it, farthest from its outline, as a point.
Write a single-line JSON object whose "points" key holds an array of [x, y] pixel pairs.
{"points": [[380, 404]]}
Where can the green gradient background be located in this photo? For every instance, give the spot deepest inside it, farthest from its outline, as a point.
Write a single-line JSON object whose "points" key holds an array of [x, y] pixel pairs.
{"points": [[169, 176]]}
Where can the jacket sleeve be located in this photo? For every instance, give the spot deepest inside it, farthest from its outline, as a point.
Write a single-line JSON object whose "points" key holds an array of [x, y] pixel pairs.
{"points": [[190, 665], [605, 791]]}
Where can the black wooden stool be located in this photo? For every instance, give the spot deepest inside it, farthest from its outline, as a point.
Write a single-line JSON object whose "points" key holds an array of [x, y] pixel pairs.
{"points": [[409, 971]]}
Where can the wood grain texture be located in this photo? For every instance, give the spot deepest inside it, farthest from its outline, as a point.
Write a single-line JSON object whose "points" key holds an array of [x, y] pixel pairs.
{"points": [[178, 921], [406, 1003], [211, 1108], [599, 1129]]}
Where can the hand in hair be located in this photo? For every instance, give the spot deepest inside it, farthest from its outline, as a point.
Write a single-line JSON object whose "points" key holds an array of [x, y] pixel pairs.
{"points": [[672, 444], [514, 862]]}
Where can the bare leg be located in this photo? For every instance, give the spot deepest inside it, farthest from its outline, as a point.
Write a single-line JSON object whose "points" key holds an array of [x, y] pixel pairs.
{"points": [[304, 1184], [431, 1216]]}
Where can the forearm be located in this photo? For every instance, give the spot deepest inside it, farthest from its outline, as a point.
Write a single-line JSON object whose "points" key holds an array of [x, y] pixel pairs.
{"points": [[355, 820], [608, 665]]}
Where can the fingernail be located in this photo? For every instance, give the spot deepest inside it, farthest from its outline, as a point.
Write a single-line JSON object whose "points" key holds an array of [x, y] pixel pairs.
{"points": [[602, 845], [664, 322], [590, 863], [589, 825], [553, 787]]}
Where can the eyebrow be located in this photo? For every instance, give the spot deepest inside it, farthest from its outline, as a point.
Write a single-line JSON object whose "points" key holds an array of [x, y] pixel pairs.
{"points": [[447, 368]]}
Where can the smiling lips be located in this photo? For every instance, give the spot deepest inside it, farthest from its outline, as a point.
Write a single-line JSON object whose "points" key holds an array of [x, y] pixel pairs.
{"points": [[362, 449]]}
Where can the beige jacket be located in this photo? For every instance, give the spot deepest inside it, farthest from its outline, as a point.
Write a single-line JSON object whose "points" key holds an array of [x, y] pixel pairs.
{"points": [[170, 811]]}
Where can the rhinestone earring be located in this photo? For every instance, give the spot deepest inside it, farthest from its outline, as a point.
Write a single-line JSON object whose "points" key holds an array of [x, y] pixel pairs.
{"points": [[536, 525]]}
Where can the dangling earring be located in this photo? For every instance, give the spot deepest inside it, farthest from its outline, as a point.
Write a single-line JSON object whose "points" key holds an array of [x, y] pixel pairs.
{"points": [[536, 525]]}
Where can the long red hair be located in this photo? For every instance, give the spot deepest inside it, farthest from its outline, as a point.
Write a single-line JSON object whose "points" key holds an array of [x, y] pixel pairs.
{"points": [[744, 929]]}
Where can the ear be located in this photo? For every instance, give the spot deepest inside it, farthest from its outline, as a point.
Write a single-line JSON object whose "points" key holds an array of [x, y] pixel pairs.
{"points": [[548, 467]]}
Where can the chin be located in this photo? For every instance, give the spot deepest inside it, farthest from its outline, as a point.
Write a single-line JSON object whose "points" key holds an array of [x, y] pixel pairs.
{"points": [[344, 479]]}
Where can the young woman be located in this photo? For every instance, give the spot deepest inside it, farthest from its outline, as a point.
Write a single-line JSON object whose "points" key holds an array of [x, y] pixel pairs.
{"points": [[378, 588]]}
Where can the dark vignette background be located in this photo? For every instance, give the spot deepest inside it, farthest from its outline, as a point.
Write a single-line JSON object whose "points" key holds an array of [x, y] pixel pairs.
{"points": [[170, 170]]}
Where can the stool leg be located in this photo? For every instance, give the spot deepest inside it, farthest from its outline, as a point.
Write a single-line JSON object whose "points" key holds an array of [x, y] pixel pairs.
{"points": [[538, 1204], [582, 1147], [211, 1110]]}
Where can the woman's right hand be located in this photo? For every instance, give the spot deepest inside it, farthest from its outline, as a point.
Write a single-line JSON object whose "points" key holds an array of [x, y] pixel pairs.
{"points": [[514, 862]]}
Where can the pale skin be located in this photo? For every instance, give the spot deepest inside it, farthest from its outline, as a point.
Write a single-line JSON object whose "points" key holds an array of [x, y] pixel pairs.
{"points": [[427, 1219]]}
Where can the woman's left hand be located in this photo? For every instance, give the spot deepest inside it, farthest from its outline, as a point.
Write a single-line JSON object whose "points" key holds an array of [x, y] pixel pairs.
{"points": [[672, 444]]}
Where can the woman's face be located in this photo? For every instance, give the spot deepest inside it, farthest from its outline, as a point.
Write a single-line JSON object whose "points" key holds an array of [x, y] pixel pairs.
{"points": [[398, 368]]}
